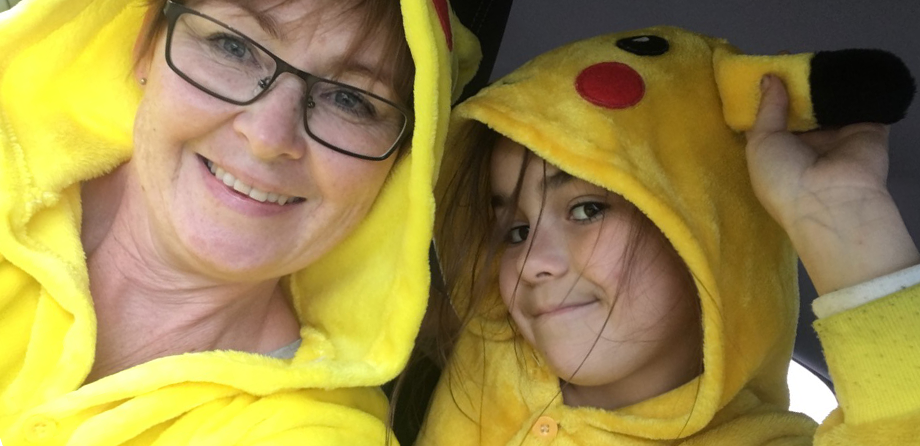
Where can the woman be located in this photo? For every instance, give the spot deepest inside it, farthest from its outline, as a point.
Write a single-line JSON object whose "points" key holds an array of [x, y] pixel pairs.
{"points": [[627, 267], [205, 204]]}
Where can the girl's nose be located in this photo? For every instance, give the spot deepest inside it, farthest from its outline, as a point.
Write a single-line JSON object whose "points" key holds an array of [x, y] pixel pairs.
{"points": [[546, 258], [273, 125]]}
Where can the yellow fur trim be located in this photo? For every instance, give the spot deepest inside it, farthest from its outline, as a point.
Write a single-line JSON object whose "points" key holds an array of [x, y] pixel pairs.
{"points": [[739, 75]]}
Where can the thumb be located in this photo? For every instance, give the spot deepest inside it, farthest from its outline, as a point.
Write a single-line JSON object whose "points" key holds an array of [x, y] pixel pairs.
{"points": [[774, 105]]}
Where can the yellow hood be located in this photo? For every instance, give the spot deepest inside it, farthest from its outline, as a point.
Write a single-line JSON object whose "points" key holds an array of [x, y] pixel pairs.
{"points": [[67, 105], [654, 115], [647, 123]]}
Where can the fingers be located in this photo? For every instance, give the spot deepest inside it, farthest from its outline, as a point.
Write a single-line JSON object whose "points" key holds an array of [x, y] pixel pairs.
{"points": [[774, 105]]}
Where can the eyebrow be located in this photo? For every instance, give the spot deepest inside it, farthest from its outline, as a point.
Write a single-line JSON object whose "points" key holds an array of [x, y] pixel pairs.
{"points": [[554, 181], [352, 66], [499, 201], [557, 180], [269, 25], [265, 21]]}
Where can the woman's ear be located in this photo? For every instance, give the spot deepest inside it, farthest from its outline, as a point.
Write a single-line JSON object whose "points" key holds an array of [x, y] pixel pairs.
{"points": [[146, 41], [141, 68]]}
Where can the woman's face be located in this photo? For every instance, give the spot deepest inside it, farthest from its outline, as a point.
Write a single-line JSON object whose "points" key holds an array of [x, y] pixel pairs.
{"points": [[189, 146], [563, 278]]}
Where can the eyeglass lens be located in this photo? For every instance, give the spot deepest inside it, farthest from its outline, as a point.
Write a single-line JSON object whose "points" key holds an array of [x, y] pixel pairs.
{"points": [[228, 65]]}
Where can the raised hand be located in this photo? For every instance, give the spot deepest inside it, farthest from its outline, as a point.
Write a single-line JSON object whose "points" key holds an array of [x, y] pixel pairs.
{"points": [[828, 190]]}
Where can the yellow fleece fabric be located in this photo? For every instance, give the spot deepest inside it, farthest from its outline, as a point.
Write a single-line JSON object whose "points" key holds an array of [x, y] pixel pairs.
{"points": [[67, 105], [674, 155]]}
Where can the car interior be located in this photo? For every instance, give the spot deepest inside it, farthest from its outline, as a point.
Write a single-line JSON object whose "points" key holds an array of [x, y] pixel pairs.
{"points": [[510, 34]]}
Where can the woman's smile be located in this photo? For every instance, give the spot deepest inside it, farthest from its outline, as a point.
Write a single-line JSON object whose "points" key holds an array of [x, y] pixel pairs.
{"points": [[248, 190], [234, 197]]}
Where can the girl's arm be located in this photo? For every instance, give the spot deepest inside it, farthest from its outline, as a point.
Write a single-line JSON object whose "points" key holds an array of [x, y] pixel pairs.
{"points": [[827, 189]]}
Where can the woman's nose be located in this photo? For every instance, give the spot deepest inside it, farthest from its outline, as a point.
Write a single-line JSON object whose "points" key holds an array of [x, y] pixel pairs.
{"points": [[273, 125], [546, 258]]}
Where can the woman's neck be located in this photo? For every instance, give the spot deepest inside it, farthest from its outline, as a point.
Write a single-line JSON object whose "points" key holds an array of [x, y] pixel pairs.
{"points": [[148, 306]]}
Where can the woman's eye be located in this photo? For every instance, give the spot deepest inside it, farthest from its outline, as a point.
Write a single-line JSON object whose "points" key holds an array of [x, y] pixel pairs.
{"points": [[350, 102], [229, 45], [588, 211], [233, 47], [518, 234]]}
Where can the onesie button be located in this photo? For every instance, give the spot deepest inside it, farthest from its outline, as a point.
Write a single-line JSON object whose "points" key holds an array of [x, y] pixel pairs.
{"points": [[39, 429], [545, 427]]}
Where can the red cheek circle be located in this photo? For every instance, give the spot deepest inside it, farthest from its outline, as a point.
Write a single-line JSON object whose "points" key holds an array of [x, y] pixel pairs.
{"points": [[611, 85], [444, 16]]}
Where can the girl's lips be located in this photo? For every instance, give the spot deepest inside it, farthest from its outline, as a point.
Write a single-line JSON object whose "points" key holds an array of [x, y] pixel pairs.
{"points": [[247, 190], [564, 308]]}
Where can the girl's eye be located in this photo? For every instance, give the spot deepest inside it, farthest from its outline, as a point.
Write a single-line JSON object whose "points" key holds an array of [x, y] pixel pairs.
{"points": [[518, 234], [588, 211]]}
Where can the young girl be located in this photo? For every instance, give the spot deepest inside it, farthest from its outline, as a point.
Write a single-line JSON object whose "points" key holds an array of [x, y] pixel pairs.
{"points": [[627, 269]]}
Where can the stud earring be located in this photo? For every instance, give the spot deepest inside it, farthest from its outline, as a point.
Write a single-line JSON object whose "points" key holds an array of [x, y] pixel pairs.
{"points": [[143, 81]]}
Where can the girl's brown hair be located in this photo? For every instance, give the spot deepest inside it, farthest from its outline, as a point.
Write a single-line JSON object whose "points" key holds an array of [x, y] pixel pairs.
{"points": [[470, 238]]}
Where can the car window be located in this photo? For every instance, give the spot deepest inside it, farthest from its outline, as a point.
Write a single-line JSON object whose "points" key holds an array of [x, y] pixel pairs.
{"points": [[808, 394]]}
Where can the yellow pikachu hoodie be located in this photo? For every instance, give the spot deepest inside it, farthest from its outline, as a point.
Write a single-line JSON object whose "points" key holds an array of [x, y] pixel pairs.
{"points": [[67, 105], [644, 114]]}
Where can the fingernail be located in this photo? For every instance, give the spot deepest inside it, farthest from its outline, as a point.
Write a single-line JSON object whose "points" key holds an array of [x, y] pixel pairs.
{"points": [[765, 82]]}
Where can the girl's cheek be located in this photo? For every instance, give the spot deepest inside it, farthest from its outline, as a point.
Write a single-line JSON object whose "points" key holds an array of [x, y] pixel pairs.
{"points": [[506, 279]]}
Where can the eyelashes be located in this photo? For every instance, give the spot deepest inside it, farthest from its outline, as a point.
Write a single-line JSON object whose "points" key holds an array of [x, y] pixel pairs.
{"points": [[517, 234], [581, 213], [588, 211]]}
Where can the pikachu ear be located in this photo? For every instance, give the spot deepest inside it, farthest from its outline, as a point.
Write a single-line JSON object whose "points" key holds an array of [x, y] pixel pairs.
{"points": [[826, 89]]}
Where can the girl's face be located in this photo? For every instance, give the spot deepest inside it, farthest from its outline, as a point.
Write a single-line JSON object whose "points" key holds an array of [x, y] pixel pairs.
{"points": [[243, 191], [618, 328]]}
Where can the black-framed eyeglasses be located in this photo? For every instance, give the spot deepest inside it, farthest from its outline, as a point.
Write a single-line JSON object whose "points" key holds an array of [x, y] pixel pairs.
{"points": [[230, 66]]}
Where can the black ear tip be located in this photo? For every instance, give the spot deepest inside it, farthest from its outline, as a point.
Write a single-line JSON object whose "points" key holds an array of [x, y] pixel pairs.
{"points": [[860, 85]]}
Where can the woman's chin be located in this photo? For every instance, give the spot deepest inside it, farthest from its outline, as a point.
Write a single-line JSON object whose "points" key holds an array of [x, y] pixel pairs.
{"points": [[237, 260]]}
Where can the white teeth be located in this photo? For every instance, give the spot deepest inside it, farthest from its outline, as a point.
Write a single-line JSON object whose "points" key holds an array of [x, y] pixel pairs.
{"points": [[241, 187], [256, 194]]}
